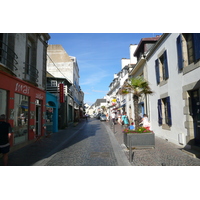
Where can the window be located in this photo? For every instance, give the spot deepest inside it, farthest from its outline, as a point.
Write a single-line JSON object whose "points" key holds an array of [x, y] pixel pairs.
{"points": [[188, 49], [21, 117], [161, 68], [53, 83], [31, 72], [3, 102], [164, 112]]}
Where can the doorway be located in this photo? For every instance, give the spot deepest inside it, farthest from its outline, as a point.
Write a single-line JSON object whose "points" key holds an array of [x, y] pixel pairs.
{"points": [[195, 106], [38, 118]]}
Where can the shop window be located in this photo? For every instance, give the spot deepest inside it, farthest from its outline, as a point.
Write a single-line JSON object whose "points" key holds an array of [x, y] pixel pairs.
{"points": [[3, 102], [164, 112], [21, 116]]}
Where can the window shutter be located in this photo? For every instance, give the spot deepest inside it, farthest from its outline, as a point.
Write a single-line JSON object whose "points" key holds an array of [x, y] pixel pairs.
{"points": [[166, 66], [169, 111], [157, 71], [179, 52], [196, 44], [159, 112]]}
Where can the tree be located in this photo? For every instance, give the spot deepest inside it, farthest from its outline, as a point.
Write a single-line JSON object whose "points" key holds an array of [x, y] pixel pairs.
{"points": [[103, 108], [137, 86]]}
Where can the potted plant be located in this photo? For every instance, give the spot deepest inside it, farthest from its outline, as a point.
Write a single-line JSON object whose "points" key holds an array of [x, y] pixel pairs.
{"points": [[141, 137]]}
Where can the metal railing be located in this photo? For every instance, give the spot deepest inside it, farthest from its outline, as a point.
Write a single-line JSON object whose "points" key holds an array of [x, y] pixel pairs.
{"points": [[8, 57], [30, 72]]}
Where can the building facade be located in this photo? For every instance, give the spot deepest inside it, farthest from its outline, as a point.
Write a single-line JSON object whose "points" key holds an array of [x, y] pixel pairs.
{"points": [[23, 84], [173, 66], [61, 65]]}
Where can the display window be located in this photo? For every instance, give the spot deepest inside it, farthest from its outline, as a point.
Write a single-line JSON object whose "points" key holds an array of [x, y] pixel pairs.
{"points": [[3, 102], [21, 118]]}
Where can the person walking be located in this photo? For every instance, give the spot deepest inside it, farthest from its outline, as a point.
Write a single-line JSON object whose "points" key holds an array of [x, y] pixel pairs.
{"points": [[125, 120], [5, 136], [113, 118]]}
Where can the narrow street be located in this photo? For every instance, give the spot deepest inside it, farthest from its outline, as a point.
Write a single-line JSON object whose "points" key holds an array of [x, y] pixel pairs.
{"points": [[88, 144]]}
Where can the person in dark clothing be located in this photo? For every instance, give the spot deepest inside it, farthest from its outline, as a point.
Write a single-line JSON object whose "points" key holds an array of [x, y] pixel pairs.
{"points": [[5, 135]]}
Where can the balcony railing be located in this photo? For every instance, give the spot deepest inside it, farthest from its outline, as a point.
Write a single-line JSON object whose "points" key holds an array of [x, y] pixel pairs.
{"points": [[8, 57], [31, 73]]}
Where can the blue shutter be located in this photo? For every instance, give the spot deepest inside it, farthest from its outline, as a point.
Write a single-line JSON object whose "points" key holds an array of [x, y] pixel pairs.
{"points": [[169, 111], [157, 71], [179, 52], [196, 44], [166, 66], [159, 112]]}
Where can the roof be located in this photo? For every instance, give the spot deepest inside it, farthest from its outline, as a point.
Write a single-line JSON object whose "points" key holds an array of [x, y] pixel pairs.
{"points": [[144, 41]]}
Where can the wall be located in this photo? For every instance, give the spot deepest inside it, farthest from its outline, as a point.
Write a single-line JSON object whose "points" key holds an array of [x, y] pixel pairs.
{"points": [[173, 87]]}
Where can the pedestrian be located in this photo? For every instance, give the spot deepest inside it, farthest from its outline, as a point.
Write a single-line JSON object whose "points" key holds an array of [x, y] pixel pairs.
{"points": [[113, 117], [125, 120], [145, 122], [119, 119], [5, 136], [107, 117], [86, 116]]}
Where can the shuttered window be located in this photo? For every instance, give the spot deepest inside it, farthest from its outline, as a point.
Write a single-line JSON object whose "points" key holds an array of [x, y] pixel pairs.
{"points": [[179, 52], [157, 71], [164, 111], [159, 112], [161, 68], [196, 44]]}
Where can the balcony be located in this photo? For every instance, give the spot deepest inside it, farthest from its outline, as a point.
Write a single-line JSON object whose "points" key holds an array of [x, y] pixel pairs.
{"points": [[8, 58], [30, 73]]}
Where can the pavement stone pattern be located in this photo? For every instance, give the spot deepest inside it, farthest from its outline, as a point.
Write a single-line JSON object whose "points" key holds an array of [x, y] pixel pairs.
{"points": [[164, 154], [90, 148]]}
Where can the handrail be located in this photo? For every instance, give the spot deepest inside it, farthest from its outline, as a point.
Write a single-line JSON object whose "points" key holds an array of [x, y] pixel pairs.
{"points": [[8, 57]]}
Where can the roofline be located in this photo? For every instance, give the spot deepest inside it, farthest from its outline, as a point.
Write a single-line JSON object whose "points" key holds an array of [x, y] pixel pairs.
{"points": [[146, 40], [162, 38]]}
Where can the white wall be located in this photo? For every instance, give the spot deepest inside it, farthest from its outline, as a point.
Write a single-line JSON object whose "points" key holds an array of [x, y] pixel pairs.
{"points": [[172, 88]]}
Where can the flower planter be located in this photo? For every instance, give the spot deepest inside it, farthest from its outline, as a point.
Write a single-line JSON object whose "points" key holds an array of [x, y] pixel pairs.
{"points": [[139, 139]]}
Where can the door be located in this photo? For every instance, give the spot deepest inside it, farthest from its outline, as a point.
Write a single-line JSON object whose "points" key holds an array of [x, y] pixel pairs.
{"points": [[38, 120], [195, 100]]}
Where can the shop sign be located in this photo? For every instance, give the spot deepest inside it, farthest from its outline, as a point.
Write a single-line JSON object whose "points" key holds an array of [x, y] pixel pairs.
{"points": [[39, 96], [22, 88], [61, 86]]}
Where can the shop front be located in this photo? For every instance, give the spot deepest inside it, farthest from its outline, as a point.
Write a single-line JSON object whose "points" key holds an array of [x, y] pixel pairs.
{"points": [[51, 113], [24, 107]]}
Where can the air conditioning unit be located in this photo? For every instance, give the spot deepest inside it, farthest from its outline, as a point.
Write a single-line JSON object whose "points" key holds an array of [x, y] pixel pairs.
{"points": [[181, 138]]}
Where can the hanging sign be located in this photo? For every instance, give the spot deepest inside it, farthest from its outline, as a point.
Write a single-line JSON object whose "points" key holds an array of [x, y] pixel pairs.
{"points": [[61, 86]]}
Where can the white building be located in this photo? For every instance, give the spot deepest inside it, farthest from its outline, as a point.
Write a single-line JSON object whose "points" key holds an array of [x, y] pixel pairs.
{"points": [[117, 102], [174, 74]]}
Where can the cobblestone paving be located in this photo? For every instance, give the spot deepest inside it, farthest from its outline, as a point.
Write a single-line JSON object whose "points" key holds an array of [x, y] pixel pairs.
{"points": [[164, 154], [89, 148]]}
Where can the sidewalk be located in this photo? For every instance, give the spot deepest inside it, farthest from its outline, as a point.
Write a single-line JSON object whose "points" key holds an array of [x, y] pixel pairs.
{"points": [[41, 149], [164, 154]]}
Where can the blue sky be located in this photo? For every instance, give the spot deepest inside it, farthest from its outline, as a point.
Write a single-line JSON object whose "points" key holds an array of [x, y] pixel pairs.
{"points": [[99, 57]]}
